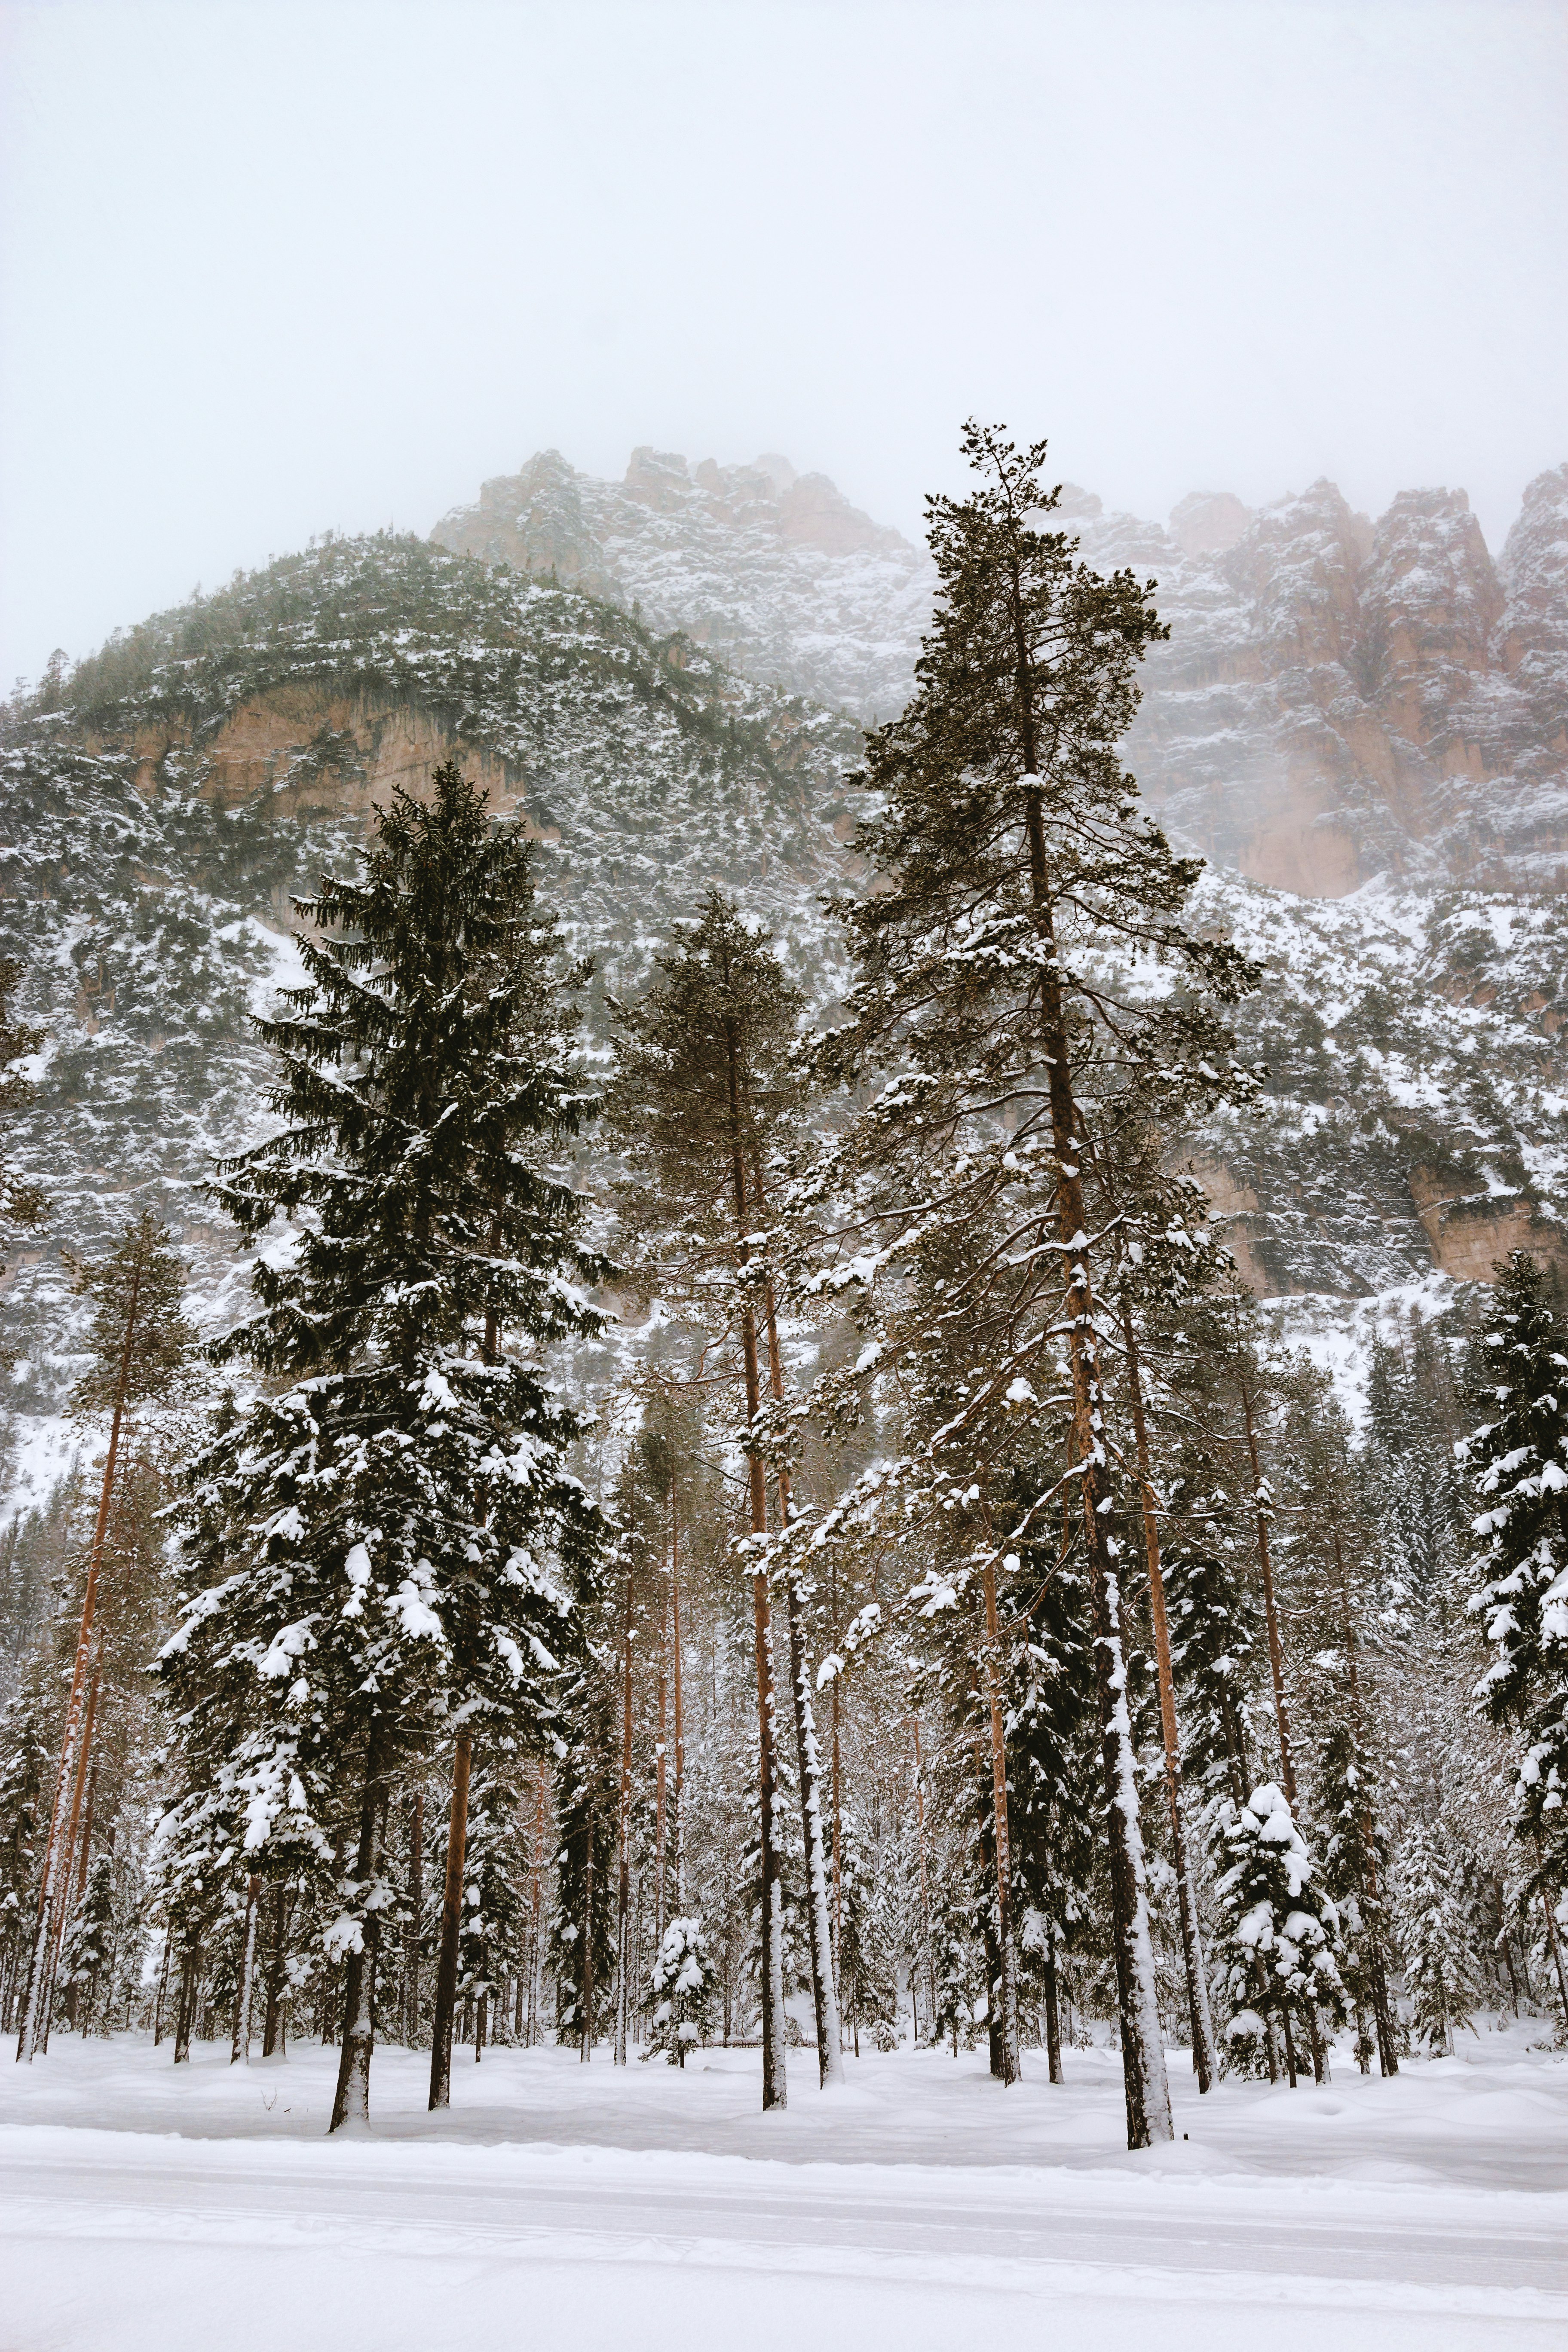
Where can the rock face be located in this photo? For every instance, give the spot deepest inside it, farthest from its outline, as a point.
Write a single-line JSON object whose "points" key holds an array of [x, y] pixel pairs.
{"points": [[772, 570], [1339, 699]]}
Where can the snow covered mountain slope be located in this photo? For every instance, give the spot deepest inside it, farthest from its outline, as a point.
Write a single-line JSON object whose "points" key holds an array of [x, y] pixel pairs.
{"points": [[1339, 699], [158, 807], [775, 571], [154, 821]]}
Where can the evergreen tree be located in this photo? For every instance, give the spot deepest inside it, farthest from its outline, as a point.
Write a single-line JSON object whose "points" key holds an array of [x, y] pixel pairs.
{"points": [[1280, 1933], [137, 1345], [1438, 1967], [22, 1203], [1517, 1461], [682, 1988], [703, 1090], [1018, 887], [24, 1773], [1355, 1876], [393, 1544]]}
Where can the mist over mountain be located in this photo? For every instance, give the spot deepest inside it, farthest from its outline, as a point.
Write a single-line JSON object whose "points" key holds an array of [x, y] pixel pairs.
{"points": [[1339, 698], [665, 678]]}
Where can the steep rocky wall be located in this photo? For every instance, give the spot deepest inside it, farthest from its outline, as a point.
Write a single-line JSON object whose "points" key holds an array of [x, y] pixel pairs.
{"points": [[1339, 698]]}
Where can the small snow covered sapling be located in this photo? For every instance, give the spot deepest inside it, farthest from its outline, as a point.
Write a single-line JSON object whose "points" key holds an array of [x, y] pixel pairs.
{"points": [[1279, 1937], [682, 1988]]}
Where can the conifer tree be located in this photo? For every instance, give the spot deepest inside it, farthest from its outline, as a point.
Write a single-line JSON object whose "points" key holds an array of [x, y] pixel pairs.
{"points": [[137, 1344], [1355, 1875], [1280, 1932], [392, 1545], [1018, 887], [702, 1087], [22, 1203], [1438, 1967], [1517, 1462], [682, 1988]]}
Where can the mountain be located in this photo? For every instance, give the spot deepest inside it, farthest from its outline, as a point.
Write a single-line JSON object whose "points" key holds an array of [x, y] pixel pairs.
{"points": [[1339, 699], [159, 804], [775, 571]]}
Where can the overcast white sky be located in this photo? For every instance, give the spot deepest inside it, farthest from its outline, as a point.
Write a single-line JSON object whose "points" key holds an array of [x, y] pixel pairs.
{"points": [[266, 269]]}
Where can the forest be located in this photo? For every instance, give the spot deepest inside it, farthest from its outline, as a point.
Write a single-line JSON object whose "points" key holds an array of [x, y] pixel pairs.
{"points": [[724, 1519]]}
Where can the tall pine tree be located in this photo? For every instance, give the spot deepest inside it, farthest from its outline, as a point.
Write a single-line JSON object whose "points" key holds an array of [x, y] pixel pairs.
{"points": [[1000, 996], [391, 1548]]}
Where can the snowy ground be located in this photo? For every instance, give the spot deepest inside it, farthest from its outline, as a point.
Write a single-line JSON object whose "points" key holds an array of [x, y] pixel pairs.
{"points": [[146, 2209]]}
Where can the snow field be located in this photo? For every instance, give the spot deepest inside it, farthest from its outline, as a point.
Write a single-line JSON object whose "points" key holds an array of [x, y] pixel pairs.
{"points": [[146, 2209]]}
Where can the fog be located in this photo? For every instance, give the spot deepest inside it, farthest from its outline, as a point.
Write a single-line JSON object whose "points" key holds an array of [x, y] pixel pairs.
{"points": [[268, 270]]}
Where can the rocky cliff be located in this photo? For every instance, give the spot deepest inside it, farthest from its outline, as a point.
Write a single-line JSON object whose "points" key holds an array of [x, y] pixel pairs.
{"points": [[1339, 699]]}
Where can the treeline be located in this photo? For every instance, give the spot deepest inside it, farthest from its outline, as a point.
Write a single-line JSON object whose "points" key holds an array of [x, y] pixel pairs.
{"points": [[936, 1597]]}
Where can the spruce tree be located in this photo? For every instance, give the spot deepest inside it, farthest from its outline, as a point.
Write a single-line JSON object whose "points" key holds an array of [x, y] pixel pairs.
{"points": [[392, 1547], [22, 1203], [1517, 1462], [1279, 1931], [681, 1987], [1355, 1874], [1018, 890], [1439, 1970]]}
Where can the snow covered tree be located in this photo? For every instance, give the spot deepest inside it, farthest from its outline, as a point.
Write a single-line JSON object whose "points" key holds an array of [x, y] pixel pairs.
{"points": [[137, 1342], [392, 1545], [1017, 890], [1279, 1934], [1357, 1877], [703, 1087], [1214, 1628], [1440, 1968], [24, 1774], [1517, 1462], [682, 1988], [22, 1203], [89, 1948], [868, 1974]]}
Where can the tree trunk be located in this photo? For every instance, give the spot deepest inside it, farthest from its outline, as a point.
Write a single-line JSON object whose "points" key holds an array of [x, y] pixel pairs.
{"points": [[775, 2091], [1270, 1609], [586, 2047], [277, 1975], [623, 1840], [451, 1924], [188, 2006], [163, 1991], [416, 1917], [1002, 1844], [241, 2045], [1143, 2056], [351, 2105], [536, 1940], [1205, 2065], [661, 1764], [678, 1824], [1553, 1945], [52, 1883], [825, 1991], [925, 1879], [1382, 2006], [1053, 2007]]}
